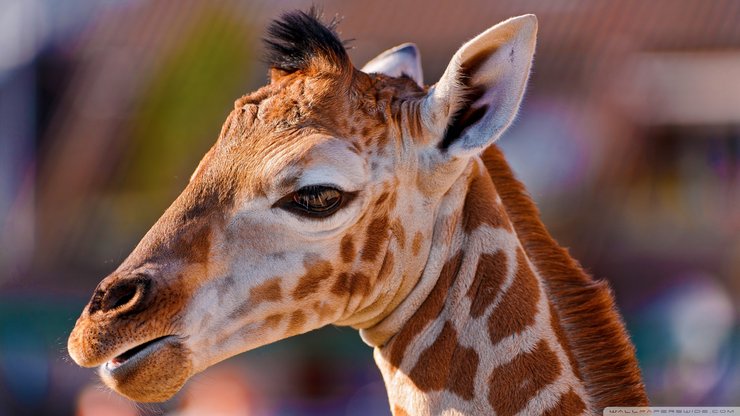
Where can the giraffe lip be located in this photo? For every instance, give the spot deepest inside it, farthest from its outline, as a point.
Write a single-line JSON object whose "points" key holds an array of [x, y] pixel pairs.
{"points": [[135, 354]]}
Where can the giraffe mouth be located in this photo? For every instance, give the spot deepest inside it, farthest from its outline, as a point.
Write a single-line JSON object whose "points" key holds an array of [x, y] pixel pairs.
{"points": [[135, 354], [152, 371]]}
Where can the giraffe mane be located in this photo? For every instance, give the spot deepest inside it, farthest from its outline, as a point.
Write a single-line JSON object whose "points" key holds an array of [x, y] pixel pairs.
{"points": [[299, 40], [593, 330]]}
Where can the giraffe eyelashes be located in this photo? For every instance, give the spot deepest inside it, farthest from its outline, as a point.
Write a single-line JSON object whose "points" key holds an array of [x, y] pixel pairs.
{"points": [[315, 201]]}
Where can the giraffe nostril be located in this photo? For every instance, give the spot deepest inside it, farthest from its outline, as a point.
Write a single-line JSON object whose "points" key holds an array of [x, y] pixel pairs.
{"points": [[124, 295], [119, 295]]}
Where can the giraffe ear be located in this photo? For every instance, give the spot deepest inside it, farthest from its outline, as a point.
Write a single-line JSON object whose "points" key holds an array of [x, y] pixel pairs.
{"points": [[480, 92], [402, 60]]}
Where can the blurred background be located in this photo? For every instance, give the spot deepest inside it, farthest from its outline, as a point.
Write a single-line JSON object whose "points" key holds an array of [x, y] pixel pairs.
{"points": [[628, 139]]}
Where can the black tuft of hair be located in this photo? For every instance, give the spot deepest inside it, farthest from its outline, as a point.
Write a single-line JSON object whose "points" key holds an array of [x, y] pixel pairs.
{"points": [[298, 38]]}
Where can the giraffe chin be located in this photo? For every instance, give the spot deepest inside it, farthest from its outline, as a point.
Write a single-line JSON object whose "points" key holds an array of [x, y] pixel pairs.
{"points": [[153, 374]]}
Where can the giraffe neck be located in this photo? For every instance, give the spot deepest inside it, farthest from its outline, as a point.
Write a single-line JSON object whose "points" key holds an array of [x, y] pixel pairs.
{"points": [[484, 338], [503, 321]]}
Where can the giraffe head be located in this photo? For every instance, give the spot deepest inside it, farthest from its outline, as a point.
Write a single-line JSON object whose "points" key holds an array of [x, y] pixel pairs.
{"points": [[315, 206]]}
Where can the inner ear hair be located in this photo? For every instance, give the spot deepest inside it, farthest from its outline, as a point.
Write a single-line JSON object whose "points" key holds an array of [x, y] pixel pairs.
{"points": [[479, 93], [466, 115]]}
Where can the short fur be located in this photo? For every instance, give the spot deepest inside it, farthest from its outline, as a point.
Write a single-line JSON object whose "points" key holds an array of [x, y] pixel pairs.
{"points": [[586, 307]]}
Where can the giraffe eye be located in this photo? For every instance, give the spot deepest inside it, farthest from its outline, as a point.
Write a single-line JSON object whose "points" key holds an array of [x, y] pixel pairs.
{"points": [[315, 201]]}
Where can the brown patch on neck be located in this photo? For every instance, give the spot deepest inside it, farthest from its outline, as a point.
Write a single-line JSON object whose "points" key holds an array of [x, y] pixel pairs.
{"points": [[568, 404], [447, 365], [480, 205], [428, 310], [489, 276], [519, 304], [585, 308], [515, 383]]}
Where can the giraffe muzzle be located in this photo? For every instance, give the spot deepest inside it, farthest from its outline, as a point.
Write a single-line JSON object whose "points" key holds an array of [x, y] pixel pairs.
{"points": [[132, 330]]}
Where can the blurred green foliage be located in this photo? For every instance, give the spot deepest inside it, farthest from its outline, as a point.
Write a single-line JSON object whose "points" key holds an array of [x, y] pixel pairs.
{"points": [[182, 109]]}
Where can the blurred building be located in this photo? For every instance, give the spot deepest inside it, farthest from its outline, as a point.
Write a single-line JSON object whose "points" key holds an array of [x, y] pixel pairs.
{"points": [[629, 139]]}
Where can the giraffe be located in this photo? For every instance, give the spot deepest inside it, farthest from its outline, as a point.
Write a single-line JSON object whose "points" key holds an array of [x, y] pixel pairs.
{"points": [[366, 198]]}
